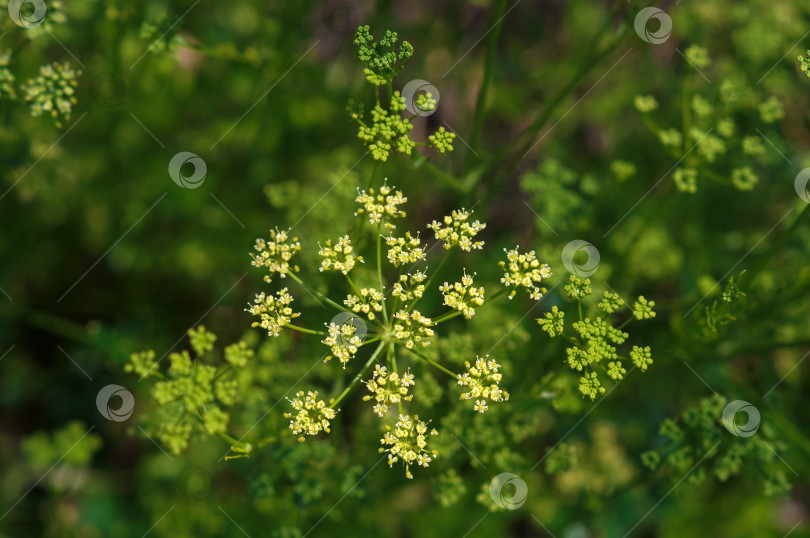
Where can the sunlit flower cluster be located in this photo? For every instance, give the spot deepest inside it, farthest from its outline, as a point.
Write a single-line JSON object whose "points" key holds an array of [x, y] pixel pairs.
{"points": [[388, 389], [523, 270], [276, 254], [381, 207], [343, 341], [409, 287], [274, 312], [408, 442], [311, 417], [404, 250], [368, 302], [412, 329], [463, 296], [338, 257], [482, 380], [456, 230]]}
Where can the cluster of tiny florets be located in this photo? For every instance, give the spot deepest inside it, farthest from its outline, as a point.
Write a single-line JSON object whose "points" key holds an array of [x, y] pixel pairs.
{"points": [[463, 296], [408, 442], [381, 207], [523, 270], [388, 389], [404, 250], [368, 302], [413, 328], [311, 416], [343, 341], [275, 254], [482, 380], [52, 91], [274, 311], [409, 287], [456, 230], [339, 257]]}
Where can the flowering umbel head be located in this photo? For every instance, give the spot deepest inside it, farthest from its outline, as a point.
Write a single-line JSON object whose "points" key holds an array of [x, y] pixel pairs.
{"points": [[456, 230], [275, 254], [311, 416], [463, 296], [382, 206], [388, 389], [274, 312], [483, 383], [339, 257], [523, 270], [408, 441], [343, 341], [52, 91]]}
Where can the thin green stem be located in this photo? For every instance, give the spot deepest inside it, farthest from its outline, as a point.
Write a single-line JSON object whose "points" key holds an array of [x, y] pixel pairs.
{"points": [[454, 313], [303, 330], [318, 294], [432, 277], [480, 105], [363, 371], [379, 273], [433, 363]]}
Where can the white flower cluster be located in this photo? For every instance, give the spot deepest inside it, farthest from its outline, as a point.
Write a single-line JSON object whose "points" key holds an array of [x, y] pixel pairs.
{"points": [[408, 441], [312, 415], [343, 341], [369, 301], [339, 257], [382, 206], [275, 254], [523, 270]]}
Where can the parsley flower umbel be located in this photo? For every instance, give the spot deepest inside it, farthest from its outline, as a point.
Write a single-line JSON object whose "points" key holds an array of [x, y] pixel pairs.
{"points": [[404, 250], [409, 287], [457, 231], [311, 416], [413, 328], [408, 441], [523, 270], [482, 379], [52, 91], [463, 296], [274, 312], [382, 206], [339, 257], [343, 341], [276, 254], [368, 302], [643, 309], [388, 389]]}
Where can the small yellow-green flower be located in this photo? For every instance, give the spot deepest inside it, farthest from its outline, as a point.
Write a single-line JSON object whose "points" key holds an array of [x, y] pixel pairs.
{"points": [[456, 230], [408, 442], [483, 383], [274, 312], [311, 416], [276, 254], [523, 270], [463, 296], [339, 257], [381, 207], [388, 389]]}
